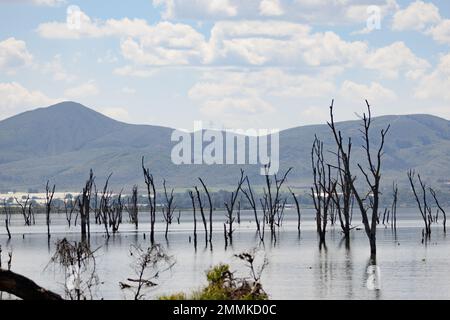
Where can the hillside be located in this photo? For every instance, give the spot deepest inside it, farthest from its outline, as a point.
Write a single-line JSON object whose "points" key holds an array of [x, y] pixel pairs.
{"points": [[62, 142]]}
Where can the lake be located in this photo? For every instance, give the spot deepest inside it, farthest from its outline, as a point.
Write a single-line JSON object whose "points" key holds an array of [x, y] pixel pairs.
{"points": [[297, 269]]}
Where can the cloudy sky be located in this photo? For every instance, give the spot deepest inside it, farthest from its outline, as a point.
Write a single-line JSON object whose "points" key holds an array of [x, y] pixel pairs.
{"points": [[230, 63]]}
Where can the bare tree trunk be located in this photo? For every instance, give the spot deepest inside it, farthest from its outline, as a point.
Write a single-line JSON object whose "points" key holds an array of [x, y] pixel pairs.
{"points": [[24, 288], [168, 209], [84, 204], [49, 193], [210, 210], [230, 207], [297, 206], [200, 203], [374, 167], [433, 193], [151, 192], [394, 207], [7, 212], [191, 194], [251, 200], [424, 209]]}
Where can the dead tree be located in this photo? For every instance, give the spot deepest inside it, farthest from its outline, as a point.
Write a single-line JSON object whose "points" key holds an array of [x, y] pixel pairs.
{"points": [[78, 264], [25, 209], [440, 208], [202, 213], [7, 211], [148, 265], [422, 203], [394, 206], [115, 214], [105, 206], [84, 204], [345, 179], [272, 202], [323, 188], [297, 207], [69, 208], [49, 193], [230, 206], [372, 175], [210, 209], [168, 208], [191, 195], [151, 194], [248, 193], [132, 207], [24, 288]]}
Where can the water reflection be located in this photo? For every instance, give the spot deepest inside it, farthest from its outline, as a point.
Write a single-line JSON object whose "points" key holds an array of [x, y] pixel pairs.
{"points": [[297, 268]]}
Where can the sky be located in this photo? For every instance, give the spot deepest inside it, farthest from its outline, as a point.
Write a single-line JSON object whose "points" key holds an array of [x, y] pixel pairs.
{"points": [[260, 64]]}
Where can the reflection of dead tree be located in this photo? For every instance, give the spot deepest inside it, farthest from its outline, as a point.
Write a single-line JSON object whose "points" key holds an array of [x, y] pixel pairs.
{"points": [[230, 207], [148, 265], [24, 288], [433, 193], [132, 208], [168, 208], [323, 188], [202, 213], [78, 263], [248, 193], [7, 211], [25, 208], [49, 193], [424, 208], [84, 204], [191, 195], [151, 193], [297, 207], [210, 209], [372, 176]]}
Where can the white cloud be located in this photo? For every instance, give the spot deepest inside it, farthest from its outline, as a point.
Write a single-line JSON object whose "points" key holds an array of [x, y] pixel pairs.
{"points": [[270, 8], [56, 69], [417, 16], [374, 92], [128, 90], [329, 12], [86, 89], [133, 71], [393, 59], [424, 17], [249, 93], [436, 84], [198, 8], [16, 98], [50, 3], [13, 55], [441, 32]]}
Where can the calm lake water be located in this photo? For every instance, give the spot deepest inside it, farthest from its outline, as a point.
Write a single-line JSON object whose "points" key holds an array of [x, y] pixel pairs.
{"points": [[297, 269]]}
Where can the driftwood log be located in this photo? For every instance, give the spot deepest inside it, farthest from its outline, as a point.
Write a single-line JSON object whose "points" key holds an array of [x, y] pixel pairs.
{"points": [[24, 288]]}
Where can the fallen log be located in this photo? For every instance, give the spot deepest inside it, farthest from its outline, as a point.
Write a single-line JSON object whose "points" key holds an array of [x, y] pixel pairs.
{"points": [[24, 288]]}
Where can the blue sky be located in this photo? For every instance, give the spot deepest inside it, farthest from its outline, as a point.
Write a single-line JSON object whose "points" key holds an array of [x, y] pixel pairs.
{"points": [[232, 64]]}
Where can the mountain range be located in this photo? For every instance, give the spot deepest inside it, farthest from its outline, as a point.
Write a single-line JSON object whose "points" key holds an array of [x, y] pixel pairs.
{"points": [[61, 143]]}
